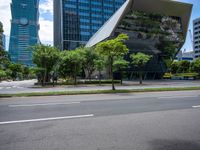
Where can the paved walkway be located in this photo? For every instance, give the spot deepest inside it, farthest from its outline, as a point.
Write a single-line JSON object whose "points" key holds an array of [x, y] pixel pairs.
{"points": [[27, 86]]}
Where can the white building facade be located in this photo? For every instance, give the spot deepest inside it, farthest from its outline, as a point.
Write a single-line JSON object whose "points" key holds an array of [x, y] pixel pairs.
{"points": [[196, 40]]}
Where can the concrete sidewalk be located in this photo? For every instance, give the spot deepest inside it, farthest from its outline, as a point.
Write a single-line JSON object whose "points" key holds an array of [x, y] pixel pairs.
{"points": [[27, 86]]}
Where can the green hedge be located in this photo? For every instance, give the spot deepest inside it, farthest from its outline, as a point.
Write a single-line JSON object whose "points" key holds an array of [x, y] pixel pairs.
{"points": [[82, 82], [181, 76]]}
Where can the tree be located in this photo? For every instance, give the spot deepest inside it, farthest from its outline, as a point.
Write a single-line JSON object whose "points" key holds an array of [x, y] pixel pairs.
{"points": [[2, 75], [4, 58], [183, 66], [4, 62], [140, 60], [168, 48], [196, 65], [89, 57], [39, 72], [64, 69], [26, 72], [113, 49], [119, 65], [168, 63], [71, 63], [99, 65], [8, 73], [16, 70], [45, 56], [1, 31], [174, 67]]}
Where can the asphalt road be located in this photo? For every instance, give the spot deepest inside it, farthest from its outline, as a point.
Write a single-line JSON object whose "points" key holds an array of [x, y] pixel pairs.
{"points": [[143, 121]]}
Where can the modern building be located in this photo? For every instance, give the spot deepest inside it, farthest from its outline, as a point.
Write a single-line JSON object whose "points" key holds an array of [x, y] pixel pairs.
{"points": [[154, 27], [4, 41], [24, 30], [196, 36], [189, 56], [76, 21]]}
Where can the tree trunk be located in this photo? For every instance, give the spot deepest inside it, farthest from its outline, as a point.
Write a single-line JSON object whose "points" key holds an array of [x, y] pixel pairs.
{"points": [[75, 82], [111, 69], [44, 77], [89, 76], [53, 80], [140, 74], [121, 74], [99, 77]]}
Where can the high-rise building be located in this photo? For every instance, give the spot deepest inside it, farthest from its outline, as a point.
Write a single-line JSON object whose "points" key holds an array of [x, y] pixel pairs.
{"points": [[196, 36], [4, 41], [24, 30], [75, 21], [189, 56]]}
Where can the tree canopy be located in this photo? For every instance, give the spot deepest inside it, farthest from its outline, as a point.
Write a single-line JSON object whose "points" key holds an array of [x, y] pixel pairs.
{"points": [[140, 60], [45, 57], [196, 65], [89, 56], [71, 63], [113, 49]]}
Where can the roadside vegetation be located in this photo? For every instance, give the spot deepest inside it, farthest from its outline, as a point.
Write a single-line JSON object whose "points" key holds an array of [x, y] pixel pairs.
{"points": [[71, 67], [94, 65], [14, 71], [85, 65], [183, 70]]}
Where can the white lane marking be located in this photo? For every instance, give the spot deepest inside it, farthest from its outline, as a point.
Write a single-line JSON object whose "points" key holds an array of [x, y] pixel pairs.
{"points": [[198, 106], [46, 119], [43, 104], [168, 97]]}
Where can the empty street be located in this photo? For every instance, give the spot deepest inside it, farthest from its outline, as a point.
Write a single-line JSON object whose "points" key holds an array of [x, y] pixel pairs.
{"points": [[150, 121]]}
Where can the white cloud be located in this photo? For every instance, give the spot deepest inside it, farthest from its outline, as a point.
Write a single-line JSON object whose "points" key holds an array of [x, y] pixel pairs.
{"points": [[46, 26], [46, 6], [5, 15], [46, 31]]}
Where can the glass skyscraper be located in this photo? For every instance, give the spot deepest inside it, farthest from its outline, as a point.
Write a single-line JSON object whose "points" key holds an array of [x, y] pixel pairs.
{"points": [[24, 30], [75, 21]]}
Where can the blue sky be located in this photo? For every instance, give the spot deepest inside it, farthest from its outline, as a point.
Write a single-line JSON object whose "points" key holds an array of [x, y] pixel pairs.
{"points": [[46, 20]]}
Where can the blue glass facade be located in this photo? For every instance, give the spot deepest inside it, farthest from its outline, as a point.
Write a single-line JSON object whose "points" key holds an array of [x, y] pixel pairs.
{"points": [[81, 19], [24, 30]]}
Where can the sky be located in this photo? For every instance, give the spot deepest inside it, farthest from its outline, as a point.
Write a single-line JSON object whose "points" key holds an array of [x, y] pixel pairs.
{"points": [[46, 20]]}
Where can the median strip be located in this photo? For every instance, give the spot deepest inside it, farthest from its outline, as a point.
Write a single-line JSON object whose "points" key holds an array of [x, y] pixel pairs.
{"points": [[46, 119], [43, 104], [56, 93]]}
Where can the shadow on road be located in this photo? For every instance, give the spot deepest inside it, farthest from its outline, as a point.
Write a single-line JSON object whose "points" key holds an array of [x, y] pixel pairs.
{"points": [[174, 145]]}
